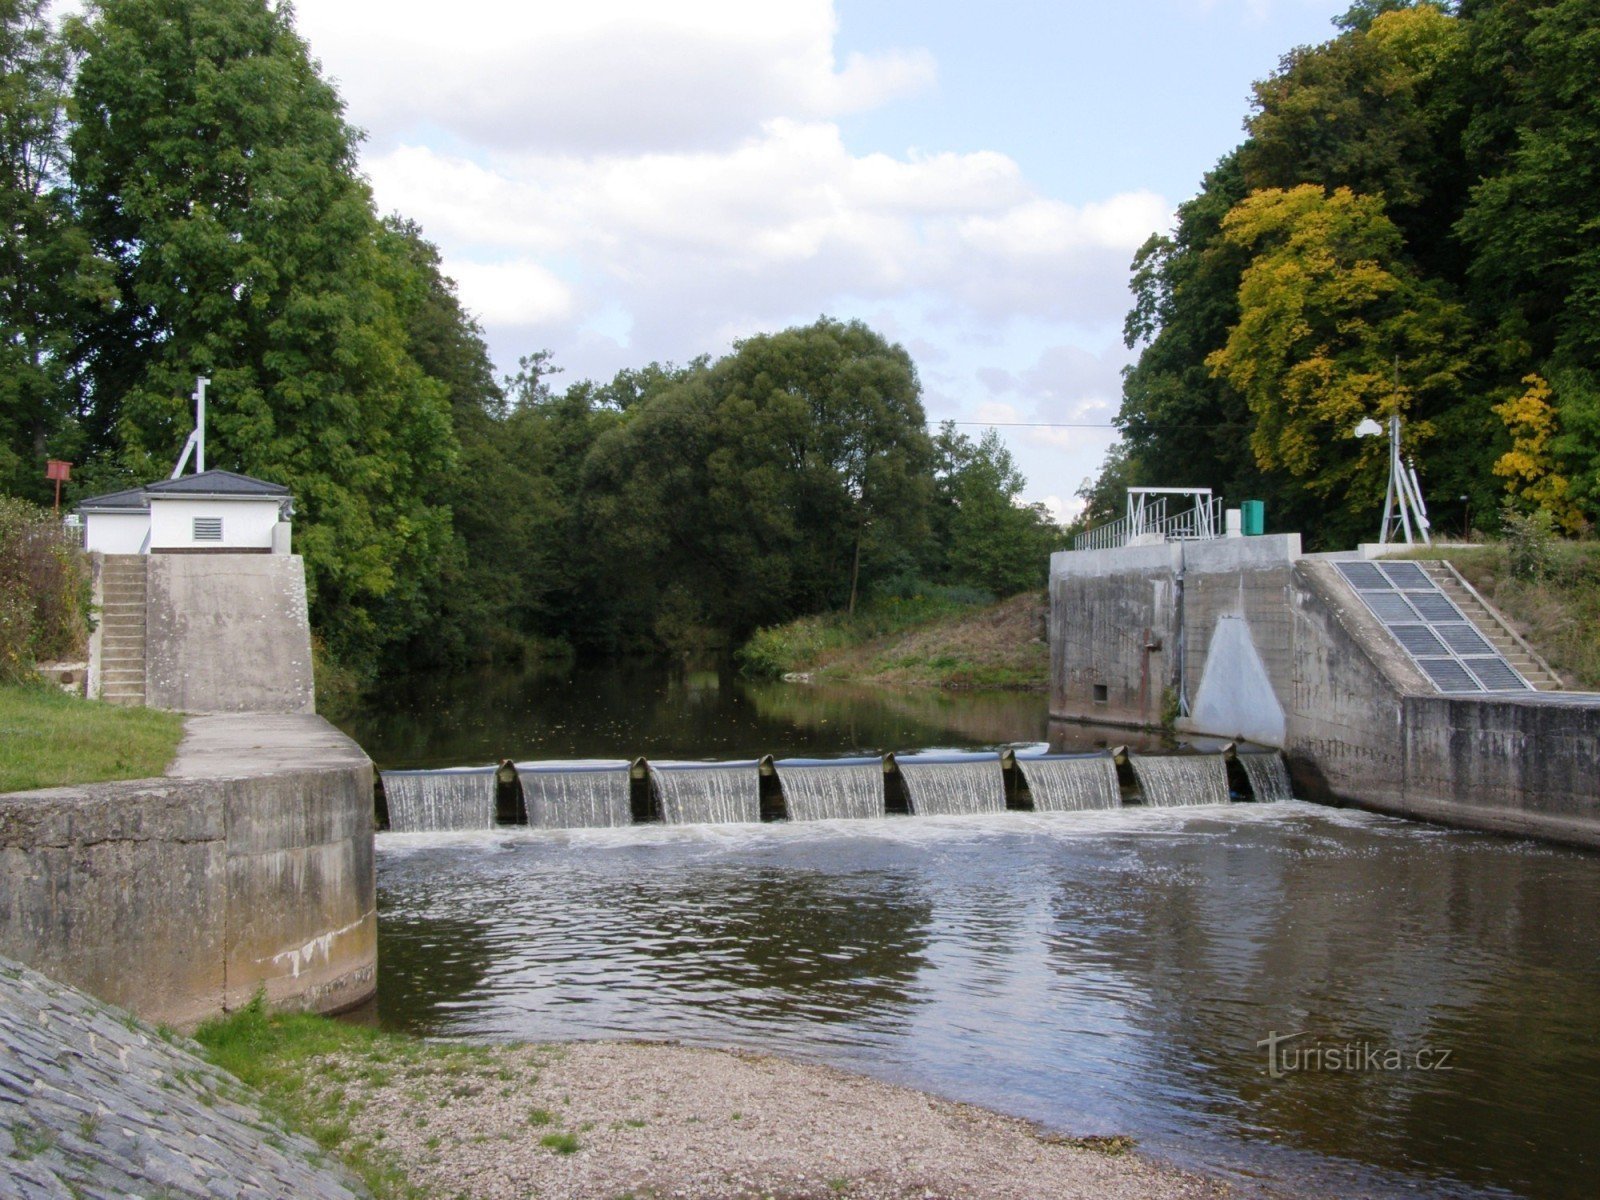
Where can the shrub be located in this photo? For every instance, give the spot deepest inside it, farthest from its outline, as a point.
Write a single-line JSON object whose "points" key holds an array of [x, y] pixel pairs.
{"points": [[44, 590], [1530, 542]]}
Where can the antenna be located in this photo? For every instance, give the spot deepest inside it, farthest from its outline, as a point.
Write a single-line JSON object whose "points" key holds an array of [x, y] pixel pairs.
{"points": [[196, 444]]}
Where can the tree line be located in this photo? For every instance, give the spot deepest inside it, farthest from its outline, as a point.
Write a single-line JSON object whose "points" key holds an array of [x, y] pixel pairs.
{"points": [[1411, 226], [179, 196]]}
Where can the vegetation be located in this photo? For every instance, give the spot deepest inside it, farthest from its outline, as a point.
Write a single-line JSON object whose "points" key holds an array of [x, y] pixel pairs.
{"points": [[44, 591], [1407, 228], [51, 739], [933, 641]]}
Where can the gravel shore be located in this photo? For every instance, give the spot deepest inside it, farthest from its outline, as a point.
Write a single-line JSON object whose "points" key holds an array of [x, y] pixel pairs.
{"points": [[607, 1120]]}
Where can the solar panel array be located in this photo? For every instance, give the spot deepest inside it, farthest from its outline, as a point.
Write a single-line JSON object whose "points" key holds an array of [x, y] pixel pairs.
{"points": [[1431, 629]]}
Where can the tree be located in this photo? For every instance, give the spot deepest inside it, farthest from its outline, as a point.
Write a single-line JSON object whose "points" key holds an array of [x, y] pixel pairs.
{"points": [[990, 540], [1333, 328], [1529, 467], [216, 172], [48, 274]]}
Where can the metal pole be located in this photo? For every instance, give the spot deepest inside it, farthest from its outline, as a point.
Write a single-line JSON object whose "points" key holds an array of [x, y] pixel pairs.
{"points": [[200, 423]]}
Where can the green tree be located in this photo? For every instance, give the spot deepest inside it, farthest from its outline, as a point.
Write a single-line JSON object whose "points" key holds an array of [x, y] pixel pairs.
{"points": [[1334, 328], [48, 274], [990, 540], [214, 168]]}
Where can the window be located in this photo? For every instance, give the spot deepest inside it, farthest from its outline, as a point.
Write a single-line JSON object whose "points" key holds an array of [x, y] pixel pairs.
{"points": [[208, 529], [1100, 696]]}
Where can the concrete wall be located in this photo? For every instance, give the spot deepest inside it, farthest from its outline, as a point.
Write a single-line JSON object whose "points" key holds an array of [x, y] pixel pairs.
{"points": [[228, 633], [246, 524], [1277, 649], [250, 866]]}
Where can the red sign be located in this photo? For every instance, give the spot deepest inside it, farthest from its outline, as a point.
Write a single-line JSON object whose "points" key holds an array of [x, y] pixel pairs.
{"points": [[60, 471]]}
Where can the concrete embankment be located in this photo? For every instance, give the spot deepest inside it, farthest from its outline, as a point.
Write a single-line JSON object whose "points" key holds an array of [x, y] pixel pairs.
{"points": [[248, 866], [1249, 638], [95, 1105]]}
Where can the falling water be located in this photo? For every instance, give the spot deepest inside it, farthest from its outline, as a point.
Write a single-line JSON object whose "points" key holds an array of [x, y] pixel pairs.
{"points": [[707, 793], [584, 794], [950, 786], [440, 801], [1269, 778], [821, 791], [1168, 780], [1072, 784]]}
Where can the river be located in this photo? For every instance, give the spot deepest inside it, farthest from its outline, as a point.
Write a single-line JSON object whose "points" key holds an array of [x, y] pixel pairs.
{"points": [[1429, 996]]}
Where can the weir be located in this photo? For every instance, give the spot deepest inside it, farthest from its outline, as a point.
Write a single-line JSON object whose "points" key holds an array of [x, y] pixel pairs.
{"points": [[577, 794], [952, 784], [831, 789], [462, 798], [695, 793], [1268, 776], [1174, 780], [1071, 783]]}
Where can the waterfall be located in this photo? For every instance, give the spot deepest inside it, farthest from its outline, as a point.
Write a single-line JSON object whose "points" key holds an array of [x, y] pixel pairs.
{"points": [[1268, 776], [1082, 781], [707, 793], [1168, 780], [440, 801], [821, 790], [584, 794], [946, 786]]}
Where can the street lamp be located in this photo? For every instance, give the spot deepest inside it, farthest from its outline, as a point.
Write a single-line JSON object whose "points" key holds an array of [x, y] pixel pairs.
{"points": [[1403, 504]]}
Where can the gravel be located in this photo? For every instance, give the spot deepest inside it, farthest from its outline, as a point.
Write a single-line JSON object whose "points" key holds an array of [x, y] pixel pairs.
{"points": [[609, 1120]]}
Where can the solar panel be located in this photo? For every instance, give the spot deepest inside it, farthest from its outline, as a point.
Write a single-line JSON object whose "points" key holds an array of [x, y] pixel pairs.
{"points": [[1449, 675], [1434, 607], [1437, 636], [1419, 641], [1463, 639], [1406, 575], [1496, 674], [1362, 575], [1389, 606]]}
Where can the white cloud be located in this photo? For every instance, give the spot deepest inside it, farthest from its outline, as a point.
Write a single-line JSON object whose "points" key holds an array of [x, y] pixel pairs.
{"points": [[511, 291], [611, 75]]}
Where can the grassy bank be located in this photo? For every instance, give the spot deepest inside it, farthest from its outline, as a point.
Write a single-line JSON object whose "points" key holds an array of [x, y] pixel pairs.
{"points": [[1559, 615], [997, 645], [50, 739]]}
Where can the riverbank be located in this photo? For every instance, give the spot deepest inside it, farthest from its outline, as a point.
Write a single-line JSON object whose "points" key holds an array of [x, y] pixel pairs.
{"points": [[49, 738], [609, 1119], [999, 645]]}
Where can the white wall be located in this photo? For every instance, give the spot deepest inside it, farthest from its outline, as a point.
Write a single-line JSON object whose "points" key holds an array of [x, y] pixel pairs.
{"points": [[246, 524], [115, 533]]}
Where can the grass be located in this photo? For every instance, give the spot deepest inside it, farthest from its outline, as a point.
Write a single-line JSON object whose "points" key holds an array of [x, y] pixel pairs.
{"points": [[936, 643], [51, 739], [1558, 615]]}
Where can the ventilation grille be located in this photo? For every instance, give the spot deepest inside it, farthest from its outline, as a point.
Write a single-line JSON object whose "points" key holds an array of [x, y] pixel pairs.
{"points": [[208, 529], [1431, 629]]}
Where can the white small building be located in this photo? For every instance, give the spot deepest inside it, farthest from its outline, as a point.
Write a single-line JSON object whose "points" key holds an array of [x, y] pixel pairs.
{"points": [[212, 511]]}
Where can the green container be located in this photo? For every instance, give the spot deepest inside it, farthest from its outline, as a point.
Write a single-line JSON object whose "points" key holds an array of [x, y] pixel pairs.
{"points": [[1253, 517]]}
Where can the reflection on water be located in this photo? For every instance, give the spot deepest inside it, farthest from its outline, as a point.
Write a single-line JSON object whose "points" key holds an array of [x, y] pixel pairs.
{"points": [[628, 710], [1097, 971]]}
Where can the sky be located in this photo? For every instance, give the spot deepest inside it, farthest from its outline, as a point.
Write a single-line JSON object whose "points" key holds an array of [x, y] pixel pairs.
{"points": [[628, 181]]}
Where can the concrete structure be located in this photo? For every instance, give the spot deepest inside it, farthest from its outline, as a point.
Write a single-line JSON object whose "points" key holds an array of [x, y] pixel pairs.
{"points": [[203, 633], [1248, 638], [213, 511], [250, 865]]}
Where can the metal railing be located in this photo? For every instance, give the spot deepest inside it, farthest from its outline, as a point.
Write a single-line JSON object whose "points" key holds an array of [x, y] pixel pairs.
{"points": [[1148, 520]]}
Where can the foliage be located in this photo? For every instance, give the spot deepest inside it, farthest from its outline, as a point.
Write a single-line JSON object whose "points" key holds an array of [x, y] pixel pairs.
{"points": [[1529, 539], [798, 645], [54, 739], [215, 171], [990, 539], [1529, 466], [44, 590]]}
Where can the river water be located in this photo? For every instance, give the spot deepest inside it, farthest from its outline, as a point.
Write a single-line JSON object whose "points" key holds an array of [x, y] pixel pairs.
{"points": [[1099, 972]]}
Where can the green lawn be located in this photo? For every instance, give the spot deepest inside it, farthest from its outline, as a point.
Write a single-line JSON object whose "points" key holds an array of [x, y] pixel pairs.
{"points": [[49, 739]]}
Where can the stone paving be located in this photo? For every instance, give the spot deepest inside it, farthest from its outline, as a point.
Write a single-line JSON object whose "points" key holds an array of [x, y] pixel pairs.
{"points": [[94, 1104]]}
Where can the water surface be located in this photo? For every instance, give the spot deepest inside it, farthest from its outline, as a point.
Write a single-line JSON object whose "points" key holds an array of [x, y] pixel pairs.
{"points": [[1103, 972]]}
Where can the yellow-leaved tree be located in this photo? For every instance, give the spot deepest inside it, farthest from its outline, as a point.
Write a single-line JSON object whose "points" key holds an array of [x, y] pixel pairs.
{"points": [[1530, 468]]}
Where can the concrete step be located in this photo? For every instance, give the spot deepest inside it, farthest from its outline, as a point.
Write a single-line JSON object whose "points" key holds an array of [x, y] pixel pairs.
{"points": [[133, 675]]}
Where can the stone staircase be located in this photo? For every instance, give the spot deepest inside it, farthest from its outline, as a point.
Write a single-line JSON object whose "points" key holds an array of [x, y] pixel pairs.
{"points": [[122, 628], [1494, 627]]}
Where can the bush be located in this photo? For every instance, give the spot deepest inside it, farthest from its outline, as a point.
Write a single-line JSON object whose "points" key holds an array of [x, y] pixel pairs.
{"points": [[44, 590], [1530, 542]]}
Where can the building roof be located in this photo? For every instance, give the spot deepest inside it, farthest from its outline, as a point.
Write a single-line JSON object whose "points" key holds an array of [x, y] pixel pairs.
{"points": [[128, 500], [217, 483]]}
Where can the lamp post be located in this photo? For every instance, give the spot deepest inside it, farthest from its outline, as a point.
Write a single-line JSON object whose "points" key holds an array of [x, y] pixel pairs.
{"points": [[1402, 505]]}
